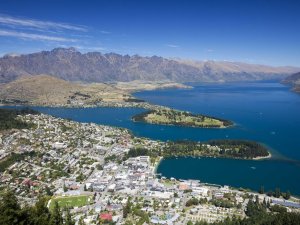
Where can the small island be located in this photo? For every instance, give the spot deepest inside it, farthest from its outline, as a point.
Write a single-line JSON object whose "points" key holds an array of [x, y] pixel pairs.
{"points": [[166, 116]]}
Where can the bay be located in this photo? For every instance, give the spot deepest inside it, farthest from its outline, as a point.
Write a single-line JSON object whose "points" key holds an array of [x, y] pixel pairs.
{"points": [[267, 112]]}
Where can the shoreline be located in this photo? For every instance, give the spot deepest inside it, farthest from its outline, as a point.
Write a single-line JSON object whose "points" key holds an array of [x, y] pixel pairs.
{"points": [[161, 158], [180, 125], [156, 165], [263, 157]]}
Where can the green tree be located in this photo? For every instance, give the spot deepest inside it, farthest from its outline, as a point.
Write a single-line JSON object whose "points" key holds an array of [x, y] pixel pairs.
{"points": [[262, 190], [9, 208], [56, 215], [40, 213], [68, 217], [126, 209], [65, 188], [277, 193]]}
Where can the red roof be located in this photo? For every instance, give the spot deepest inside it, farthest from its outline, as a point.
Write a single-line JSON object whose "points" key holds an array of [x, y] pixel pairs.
{"points": [[106, 216]]}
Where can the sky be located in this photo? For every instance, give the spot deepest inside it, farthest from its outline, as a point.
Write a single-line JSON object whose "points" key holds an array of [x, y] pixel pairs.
{"points": [[252, 31]]}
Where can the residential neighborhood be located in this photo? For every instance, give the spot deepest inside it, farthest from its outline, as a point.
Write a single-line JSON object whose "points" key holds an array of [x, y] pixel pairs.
{"points": [[86, 167]]}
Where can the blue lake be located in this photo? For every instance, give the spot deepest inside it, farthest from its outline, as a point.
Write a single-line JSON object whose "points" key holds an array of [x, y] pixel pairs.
{"points": [[266, 112]]}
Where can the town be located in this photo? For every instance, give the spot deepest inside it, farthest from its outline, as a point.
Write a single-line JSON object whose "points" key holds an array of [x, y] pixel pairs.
{"points": [[86, 167]]}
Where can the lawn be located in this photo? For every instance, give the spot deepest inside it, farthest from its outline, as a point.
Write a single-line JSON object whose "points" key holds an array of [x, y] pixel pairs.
{"points": [[72, 201]]}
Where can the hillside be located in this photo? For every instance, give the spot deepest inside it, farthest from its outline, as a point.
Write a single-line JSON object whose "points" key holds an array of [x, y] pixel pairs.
{"points": [[48, 90], [69, 64], [293, 80]]}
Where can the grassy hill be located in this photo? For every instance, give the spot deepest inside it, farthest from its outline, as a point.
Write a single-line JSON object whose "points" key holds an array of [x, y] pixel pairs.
{"points": [[48, 90]]}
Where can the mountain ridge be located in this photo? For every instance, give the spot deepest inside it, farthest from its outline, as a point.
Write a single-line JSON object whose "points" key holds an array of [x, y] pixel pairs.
{"points": [[72, 65]]}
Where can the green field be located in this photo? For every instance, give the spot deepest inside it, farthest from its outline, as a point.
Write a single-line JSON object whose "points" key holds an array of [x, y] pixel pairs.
{"points": [[72, 201]]}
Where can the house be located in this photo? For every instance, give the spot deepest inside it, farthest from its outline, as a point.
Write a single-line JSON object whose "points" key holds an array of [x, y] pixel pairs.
{"points": [[106, 216]]}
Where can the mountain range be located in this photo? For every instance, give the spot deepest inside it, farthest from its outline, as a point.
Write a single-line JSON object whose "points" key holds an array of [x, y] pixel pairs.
{"points": [[72, 65]]}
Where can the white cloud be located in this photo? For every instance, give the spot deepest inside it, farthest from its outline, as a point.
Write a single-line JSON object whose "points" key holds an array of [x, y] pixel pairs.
{"points": [[38, 24], [105, 32], [172, 46], [31, 36]]}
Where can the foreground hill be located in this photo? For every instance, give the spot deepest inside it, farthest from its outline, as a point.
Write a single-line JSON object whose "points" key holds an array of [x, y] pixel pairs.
{"points": [[48, 90], [293, 80], [69, 64]]}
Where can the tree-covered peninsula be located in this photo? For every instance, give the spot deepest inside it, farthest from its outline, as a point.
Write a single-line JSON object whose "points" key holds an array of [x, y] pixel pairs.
{"points": [[166, 116], [240, 149]]}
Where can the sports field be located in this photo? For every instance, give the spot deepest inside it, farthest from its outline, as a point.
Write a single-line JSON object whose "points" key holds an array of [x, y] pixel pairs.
{"points": [[72, 201]]}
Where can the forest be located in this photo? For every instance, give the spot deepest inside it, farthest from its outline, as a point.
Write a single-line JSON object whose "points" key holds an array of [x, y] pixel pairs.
{"points": [[9, 120], [11, 212]]}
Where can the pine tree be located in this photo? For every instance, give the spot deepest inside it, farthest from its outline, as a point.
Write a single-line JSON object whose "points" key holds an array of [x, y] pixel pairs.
{"points": [[9, 208], [262, 190], [41, 214], [287, 195], [126, 209], [56, 216], [277, 192], [68, 217]]}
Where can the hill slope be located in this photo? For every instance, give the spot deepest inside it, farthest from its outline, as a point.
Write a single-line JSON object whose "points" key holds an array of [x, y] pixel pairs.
{"points": [[48, 90], [71, 65], [294, 80]]}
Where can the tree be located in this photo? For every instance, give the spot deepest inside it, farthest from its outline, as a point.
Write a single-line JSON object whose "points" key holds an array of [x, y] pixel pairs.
{"points": [[48, 191], [265, 203], [277, 193], [56, 215], [68, 217], [262, 190], [41, 214], [9, 208], [254, 209], [286, 195], [256, 199], [126, 209], [192, 201]]}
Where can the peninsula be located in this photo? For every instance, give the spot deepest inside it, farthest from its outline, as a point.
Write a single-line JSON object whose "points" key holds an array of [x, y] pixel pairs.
{"points": [[44, 90], [166, 116]]}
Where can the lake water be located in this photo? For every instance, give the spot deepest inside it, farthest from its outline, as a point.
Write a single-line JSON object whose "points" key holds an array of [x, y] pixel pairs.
{"points": [[266, 112]]}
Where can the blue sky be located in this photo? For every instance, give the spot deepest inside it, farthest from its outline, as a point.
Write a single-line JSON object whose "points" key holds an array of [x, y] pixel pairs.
{"points": [[253, 31]]}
